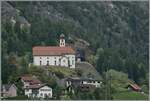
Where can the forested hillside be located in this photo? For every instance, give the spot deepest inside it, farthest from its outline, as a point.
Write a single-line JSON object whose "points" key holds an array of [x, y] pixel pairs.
{"points": [[117, 33]]}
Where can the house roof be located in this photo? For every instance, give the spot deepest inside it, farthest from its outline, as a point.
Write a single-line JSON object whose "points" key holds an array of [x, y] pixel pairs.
{"points": [[135, 86], [7, 86], [51, 50], [81, 79], [31, 80], [37, 86]]}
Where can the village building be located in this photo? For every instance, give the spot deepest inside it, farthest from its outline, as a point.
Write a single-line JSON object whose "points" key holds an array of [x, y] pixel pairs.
{"points": [[75, 82], [86, 87], [61, 55], [30, 80], [134, 87], [38, 91], [33, 87], [8, 90]]}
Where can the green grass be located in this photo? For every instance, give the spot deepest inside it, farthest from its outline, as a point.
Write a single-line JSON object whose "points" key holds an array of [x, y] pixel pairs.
{"points": [[64, 71], [130, 95]]}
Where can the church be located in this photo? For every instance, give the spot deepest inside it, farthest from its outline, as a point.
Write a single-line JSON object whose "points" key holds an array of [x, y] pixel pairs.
{"points": [[61, 55]]}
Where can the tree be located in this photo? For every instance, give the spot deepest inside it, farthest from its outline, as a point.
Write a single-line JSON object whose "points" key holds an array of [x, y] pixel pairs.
{"points": [[24, 65]]}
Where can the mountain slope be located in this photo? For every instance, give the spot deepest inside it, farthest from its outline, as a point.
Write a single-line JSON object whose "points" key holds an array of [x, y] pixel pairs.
{"points": [[120, 28]]}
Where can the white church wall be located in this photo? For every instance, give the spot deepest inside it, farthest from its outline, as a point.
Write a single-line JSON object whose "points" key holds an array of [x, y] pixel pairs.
{"points": [[72, 60], [55, 60]]}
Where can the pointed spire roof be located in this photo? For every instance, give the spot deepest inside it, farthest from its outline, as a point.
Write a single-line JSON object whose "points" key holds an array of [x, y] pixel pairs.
{"points": [[62, 35]]}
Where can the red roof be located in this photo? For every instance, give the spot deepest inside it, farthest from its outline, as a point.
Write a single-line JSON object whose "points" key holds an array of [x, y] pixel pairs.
{"points": [[51, 50], [135, 86], [35, 86], [31, 80]]}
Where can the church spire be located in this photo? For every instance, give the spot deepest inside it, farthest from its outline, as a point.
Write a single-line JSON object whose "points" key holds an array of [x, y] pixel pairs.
{"points": [[62, 40]]}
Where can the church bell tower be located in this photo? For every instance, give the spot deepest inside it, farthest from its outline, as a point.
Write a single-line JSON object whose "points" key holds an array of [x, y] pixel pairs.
{"points": [[62, 40]]}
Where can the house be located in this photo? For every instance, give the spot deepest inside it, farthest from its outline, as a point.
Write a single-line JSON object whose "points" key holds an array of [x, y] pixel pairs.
{"points": [[38, 91], [33, 87], [75, 82], [86, 87], [61, 55], [30, 80], [134, 87], [9, 90]]}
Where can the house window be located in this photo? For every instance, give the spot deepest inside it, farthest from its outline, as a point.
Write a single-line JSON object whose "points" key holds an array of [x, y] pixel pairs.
{"points": [[27, 90], [41, 94], [45, 95], [40, 62], [47, 63]]}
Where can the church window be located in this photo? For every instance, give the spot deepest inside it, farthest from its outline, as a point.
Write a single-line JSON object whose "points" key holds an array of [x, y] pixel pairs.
{"points": [[40, 58], [55, 62], [47, 57], [72, 62], [69, 63], [47, 62], [49, 94], [59, 62], [40, 62]]}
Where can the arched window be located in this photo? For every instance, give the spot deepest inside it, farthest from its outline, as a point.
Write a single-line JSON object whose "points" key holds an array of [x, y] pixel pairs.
{"points": [[69, 63], [59, 62], [55, 62], [47, 63], [40, 62], [72, 62]]}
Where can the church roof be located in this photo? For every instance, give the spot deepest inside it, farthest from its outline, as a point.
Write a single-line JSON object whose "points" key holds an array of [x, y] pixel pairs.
{"points": [[52, 50]]}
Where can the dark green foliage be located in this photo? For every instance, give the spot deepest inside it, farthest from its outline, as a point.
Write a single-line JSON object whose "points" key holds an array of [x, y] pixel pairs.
{"points": [[17, 98], [19, 85], [117, 33]]}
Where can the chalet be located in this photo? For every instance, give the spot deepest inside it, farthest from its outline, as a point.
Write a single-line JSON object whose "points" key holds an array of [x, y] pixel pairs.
{"points": [[86, 87], [9, 90], [30, 80], [61, 55], [75, 82], [33, 87], [38, 91]]}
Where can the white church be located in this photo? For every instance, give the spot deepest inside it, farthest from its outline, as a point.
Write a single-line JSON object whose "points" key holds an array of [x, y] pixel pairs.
{"points": [[61, 55]]}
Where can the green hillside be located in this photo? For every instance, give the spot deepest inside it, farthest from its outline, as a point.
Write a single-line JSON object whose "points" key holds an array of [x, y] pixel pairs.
{"points": [[110, 35], [130, 96]]}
